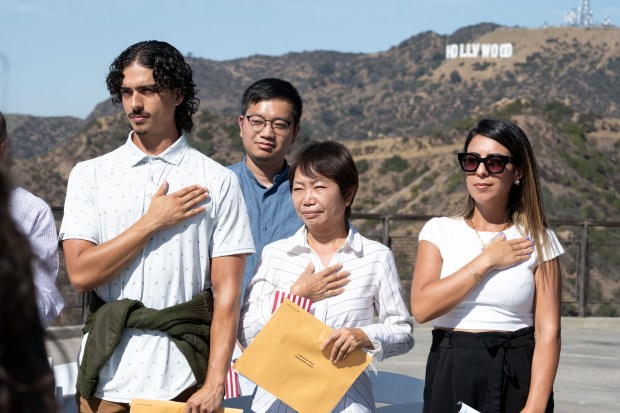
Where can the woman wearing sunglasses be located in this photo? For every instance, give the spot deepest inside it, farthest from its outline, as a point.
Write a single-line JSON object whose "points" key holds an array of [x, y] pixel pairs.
{"points": [[488, 280]]}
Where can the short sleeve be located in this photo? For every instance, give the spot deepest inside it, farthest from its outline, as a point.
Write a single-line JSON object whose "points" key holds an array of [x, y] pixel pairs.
{"points": [[232, 232], [553, 249], [431, 232], [80, 216]]}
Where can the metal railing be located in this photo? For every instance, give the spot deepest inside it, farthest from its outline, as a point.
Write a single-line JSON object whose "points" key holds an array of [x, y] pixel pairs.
{"points": [[591, 263]]}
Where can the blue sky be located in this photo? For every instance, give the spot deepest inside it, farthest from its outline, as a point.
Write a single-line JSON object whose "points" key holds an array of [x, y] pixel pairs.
{"points": [[54, 55]]}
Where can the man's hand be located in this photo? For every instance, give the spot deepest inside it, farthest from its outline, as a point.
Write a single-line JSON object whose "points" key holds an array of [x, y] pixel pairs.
{"points": [[169, 210], [90, 265], [327, 283], [226, 279], [205, 400]]}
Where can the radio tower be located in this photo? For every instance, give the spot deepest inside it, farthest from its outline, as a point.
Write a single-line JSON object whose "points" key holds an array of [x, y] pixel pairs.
{"points": [[584, 14], [581, 17]]}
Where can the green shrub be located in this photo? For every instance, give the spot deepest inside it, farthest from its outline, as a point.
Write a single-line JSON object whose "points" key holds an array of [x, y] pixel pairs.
{"points": [[606, 310], [595, 291], [455, 182], [481, 66], [394, 164], [362, 166], [205, 147], [232, 132], [575, 134], [513, 108], [558, 112], [569, 310]]}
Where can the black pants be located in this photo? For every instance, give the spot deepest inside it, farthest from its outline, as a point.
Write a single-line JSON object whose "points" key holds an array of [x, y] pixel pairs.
{"points": [[487, 371]]}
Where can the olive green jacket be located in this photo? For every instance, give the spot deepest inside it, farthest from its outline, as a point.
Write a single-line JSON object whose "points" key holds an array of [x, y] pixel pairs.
{"points": [[188, 325]]}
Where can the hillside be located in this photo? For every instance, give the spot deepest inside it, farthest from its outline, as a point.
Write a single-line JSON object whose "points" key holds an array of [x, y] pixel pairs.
{"points": [[33, 136], [404, 113]]}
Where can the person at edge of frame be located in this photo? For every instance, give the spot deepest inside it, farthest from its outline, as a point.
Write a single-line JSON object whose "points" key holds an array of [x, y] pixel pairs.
{"points": [[26, 377], [34, 218]]}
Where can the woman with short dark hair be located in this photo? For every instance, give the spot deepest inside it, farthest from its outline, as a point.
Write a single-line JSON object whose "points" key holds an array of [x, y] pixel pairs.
{"points": [[323, 182]]}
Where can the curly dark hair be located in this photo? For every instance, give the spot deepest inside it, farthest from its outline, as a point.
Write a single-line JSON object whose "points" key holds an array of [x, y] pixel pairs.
{"points": [[169, 71], [26, 379]]}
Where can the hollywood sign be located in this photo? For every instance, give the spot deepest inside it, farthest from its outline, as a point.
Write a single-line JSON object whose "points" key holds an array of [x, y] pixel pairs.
{"points": [[484, 50]]}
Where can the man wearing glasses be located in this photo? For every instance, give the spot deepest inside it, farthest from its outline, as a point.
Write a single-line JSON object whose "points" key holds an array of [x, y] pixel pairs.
{"points": [[269, 122]]}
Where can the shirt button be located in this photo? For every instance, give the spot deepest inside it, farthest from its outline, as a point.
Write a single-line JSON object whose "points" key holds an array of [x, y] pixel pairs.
{"points": [[264, 228]]}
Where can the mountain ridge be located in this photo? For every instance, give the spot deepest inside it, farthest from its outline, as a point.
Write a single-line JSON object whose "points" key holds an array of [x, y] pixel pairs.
{"points": [[403, 112]]}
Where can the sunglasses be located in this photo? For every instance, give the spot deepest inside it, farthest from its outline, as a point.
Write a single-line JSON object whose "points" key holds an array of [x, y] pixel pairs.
{"points": [[495, 164]]}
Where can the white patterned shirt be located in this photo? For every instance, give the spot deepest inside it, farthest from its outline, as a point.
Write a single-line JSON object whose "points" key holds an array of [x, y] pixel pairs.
{"points": [[108, 194], [35, 220], [373, 290]]}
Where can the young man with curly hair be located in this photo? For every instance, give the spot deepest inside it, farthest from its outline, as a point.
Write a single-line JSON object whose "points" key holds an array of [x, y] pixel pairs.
{"points": [[158, 233]]}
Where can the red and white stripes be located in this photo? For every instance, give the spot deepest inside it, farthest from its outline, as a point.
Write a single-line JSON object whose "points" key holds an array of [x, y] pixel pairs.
{"points": [[232, 383], [232, 377], [280, 296]]}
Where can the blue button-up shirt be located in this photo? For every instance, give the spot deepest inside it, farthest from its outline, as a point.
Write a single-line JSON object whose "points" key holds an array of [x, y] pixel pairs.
{"points": [[271, 211]]}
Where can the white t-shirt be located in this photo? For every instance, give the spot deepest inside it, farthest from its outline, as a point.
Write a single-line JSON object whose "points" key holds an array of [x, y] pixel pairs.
{"points": [[108, 194], [504, 300]]}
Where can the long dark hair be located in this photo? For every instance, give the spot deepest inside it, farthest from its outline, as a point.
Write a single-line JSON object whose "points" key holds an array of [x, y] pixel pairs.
{"points": [[26, 379], [525, 204], [169, 71]]}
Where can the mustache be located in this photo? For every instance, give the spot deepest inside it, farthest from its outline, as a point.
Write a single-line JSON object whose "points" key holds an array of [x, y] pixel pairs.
{"points": [[139, 113]]}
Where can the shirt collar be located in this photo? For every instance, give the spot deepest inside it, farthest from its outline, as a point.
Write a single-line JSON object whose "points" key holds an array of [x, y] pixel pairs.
{"points": [[299, 241], [281, 177], [174, 154]]}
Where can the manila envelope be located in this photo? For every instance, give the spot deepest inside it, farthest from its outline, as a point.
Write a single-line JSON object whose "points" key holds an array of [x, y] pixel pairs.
{"points": [[161, 406], [285, 358]]}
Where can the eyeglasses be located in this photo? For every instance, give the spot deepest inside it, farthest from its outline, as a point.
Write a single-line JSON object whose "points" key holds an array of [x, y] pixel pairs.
{"points": [[495, 164], [280, 126]]}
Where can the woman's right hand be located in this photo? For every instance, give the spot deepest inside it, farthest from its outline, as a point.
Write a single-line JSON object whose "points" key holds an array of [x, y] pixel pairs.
{"points": [[324, 284], [501, 253]]}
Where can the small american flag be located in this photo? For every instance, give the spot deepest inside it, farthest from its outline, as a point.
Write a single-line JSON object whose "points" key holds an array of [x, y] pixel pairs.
{"points": [[280, 296], [232, 377], [232, 383]]}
